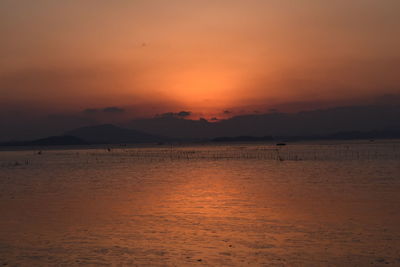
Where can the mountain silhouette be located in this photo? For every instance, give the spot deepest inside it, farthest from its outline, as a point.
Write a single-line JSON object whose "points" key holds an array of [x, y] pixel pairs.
{"points": [[243, 139], [174, 127], [351, 122], [111, 134], [64, 140], [309, 123]]}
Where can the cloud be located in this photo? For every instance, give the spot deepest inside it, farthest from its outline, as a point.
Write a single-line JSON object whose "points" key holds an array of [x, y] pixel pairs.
{"points": [[90, 111], [184, 113], [181, 114], [113, 110], [227, 112]]}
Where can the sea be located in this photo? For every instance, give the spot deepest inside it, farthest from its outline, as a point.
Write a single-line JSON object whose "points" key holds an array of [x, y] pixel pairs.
{"points": [[242, 204]]}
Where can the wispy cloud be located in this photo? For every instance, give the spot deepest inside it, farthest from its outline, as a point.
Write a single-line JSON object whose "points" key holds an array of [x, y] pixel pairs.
{"points": [[113, 110]]}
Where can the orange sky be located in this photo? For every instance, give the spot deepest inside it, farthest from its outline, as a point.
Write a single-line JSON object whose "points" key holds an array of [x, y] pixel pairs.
{"points": [[203, 56]]}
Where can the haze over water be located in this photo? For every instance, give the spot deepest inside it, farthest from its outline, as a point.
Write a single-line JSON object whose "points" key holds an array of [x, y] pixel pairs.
{"points": [[242, 205]]}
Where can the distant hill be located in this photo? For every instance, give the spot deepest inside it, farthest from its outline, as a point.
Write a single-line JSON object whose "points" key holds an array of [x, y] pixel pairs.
{"points": [[243, 139], [353, 135], [64, 140], [174, 127], [111, 134], [308, 123], [351, 122]]}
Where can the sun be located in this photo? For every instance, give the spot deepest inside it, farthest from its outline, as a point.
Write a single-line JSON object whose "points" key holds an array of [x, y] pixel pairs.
{"points": [[206, 88]]}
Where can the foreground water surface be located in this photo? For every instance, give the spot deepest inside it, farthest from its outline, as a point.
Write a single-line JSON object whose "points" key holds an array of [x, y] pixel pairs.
{"points": [[242, 205]]}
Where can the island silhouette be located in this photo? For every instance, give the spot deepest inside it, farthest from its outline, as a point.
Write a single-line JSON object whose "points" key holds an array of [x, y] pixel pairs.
{"points": [[341, 123]]}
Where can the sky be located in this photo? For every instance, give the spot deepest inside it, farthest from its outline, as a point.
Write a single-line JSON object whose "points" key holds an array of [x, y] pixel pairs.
{"points": [[139, 58]]}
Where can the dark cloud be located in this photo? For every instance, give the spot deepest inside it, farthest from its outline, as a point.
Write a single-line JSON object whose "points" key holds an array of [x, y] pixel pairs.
{"points": [[184, 113], [90, 111], [214, 119], [227, 112], [113, 110], [181, 114], [167, 114]]}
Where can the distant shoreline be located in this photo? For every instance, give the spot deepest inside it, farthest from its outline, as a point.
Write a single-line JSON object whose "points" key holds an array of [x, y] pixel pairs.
{"points": [[193, 144]]}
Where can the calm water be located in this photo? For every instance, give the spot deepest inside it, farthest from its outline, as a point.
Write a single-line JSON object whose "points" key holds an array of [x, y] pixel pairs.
{"points": [[243, 205]]}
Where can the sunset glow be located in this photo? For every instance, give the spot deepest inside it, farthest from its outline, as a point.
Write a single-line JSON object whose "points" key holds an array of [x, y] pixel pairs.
{"points": [[152, 57], [196, 53], [199, 132]]}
